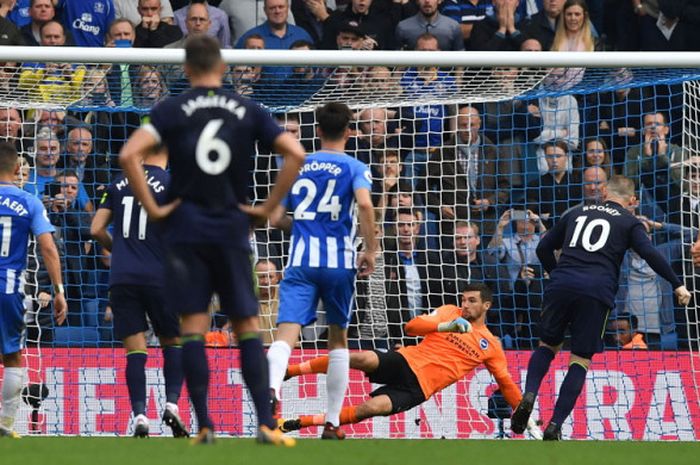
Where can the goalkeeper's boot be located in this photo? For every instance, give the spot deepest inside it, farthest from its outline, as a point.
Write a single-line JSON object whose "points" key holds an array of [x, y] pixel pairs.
{"points": [[274, 437], [204, 437], [275, 406], [552, 433], [171, 417], [8, 433], [518, 421], [140, 426], [287, 426], [332, 432]]}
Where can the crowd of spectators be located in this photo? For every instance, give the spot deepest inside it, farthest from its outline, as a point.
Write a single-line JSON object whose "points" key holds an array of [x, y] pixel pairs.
{"points": [[379, 24], [463, 192]]}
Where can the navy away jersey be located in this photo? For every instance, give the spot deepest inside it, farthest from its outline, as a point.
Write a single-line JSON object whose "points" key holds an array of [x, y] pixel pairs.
{"points": [[593, 240], [137, 249], [211, 134], [322, 200]]}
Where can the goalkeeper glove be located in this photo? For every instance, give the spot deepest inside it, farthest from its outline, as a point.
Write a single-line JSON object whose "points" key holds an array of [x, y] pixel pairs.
{"points": [[534, 429], [458, 325]]}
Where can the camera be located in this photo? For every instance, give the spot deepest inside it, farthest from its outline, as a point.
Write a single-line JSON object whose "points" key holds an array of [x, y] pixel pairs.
{"points": [[517, 215], [52, 189]]}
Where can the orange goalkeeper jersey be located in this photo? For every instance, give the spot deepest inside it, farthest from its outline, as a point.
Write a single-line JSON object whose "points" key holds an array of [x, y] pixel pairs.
{"points": [[441, 359]]}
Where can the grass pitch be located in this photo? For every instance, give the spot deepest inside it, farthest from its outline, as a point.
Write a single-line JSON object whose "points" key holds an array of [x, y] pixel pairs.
{"points": [[128, 451]]}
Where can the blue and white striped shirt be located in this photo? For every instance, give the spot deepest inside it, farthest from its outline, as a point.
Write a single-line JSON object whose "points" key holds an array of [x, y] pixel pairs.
{"points": [[322, 200], [20, 214]]}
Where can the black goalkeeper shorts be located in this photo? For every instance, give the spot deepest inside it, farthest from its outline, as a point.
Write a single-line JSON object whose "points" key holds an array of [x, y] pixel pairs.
{"points": [[400, 383]]}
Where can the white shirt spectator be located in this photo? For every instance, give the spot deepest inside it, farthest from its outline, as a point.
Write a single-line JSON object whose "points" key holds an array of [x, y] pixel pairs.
{"points": [[560, 120]]}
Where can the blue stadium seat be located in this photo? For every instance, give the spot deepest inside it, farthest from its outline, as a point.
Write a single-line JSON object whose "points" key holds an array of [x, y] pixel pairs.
{"points": [[76, 336]]}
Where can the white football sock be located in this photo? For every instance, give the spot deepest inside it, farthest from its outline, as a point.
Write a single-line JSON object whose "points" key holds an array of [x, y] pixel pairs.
{"points": [[277, 359], [11, 388], [337, 383]]}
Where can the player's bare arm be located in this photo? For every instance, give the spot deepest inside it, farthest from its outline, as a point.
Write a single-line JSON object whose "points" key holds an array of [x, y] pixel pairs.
{"points": [[365, 211], [131, 156], [53, 265], [98, 228], [695, 251], [280, 220]]}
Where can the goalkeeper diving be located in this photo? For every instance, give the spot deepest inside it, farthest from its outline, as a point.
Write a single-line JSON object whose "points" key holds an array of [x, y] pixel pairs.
{"points": [[456, 341]]}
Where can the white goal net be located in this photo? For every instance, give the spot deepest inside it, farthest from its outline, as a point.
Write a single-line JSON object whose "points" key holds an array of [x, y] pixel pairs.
{"points": [[452, 148]]}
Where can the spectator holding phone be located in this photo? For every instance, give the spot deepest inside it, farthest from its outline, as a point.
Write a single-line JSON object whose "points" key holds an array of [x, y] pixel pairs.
{"points": [[73, 230], [48, 152], [517, 235]]}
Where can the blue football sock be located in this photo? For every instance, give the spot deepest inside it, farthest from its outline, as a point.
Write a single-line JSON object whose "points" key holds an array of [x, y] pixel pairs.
{"points": [[537, 368], [569, 392], [172, 372], [136, 381], [196, 369], [256, 376]]}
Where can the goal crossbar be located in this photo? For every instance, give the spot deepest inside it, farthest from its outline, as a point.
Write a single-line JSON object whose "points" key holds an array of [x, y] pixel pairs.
{"points": [[361, 58]]}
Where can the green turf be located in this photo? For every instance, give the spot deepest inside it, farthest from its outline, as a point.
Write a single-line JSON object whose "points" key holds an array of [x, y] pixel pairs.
{"points": [[128, 451]]}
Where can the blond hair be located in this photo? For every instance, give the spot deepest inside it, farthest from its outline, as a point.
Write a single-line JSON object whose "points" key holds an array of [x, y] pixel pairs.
{"points": [[621, 186], [585, 35]]}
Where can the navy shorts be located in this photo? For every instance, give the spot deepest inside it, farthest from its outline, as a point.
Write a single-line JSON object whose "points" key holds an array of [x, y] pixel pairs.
{"points": [[302, 287], [585, 317], [400, 382], [130, 306], [195, 271], [11, 322]]}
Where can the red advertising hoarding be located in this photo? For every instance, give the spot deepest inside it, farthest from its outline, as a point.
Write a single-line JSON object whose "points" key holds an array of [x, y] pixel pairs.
{"points": [[628, 395]]}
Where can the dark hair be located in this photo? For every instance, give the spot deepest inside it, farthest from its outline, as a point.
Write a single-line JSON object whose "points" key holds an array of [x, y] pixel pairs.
{"points": [[626, 316], [67, 174], [285, 117], [485, 292], [333, 119], [202, 53], [407, 211], [570, 3], [606, 165], [255, 36], [599, 140], [654, 113], [557, 143], [384, 154], [301, 43], [8, 158]]}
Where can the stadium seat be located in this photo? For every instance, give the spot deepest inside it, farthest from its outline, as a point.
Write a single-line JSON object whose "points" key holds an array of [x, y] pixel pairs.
{"points": [[85, 337]]}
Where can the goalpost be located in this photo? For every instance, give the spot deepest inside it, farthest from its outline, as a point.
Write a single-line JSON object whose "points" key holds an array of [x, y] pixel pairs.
{"points": [[454, 140]]}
